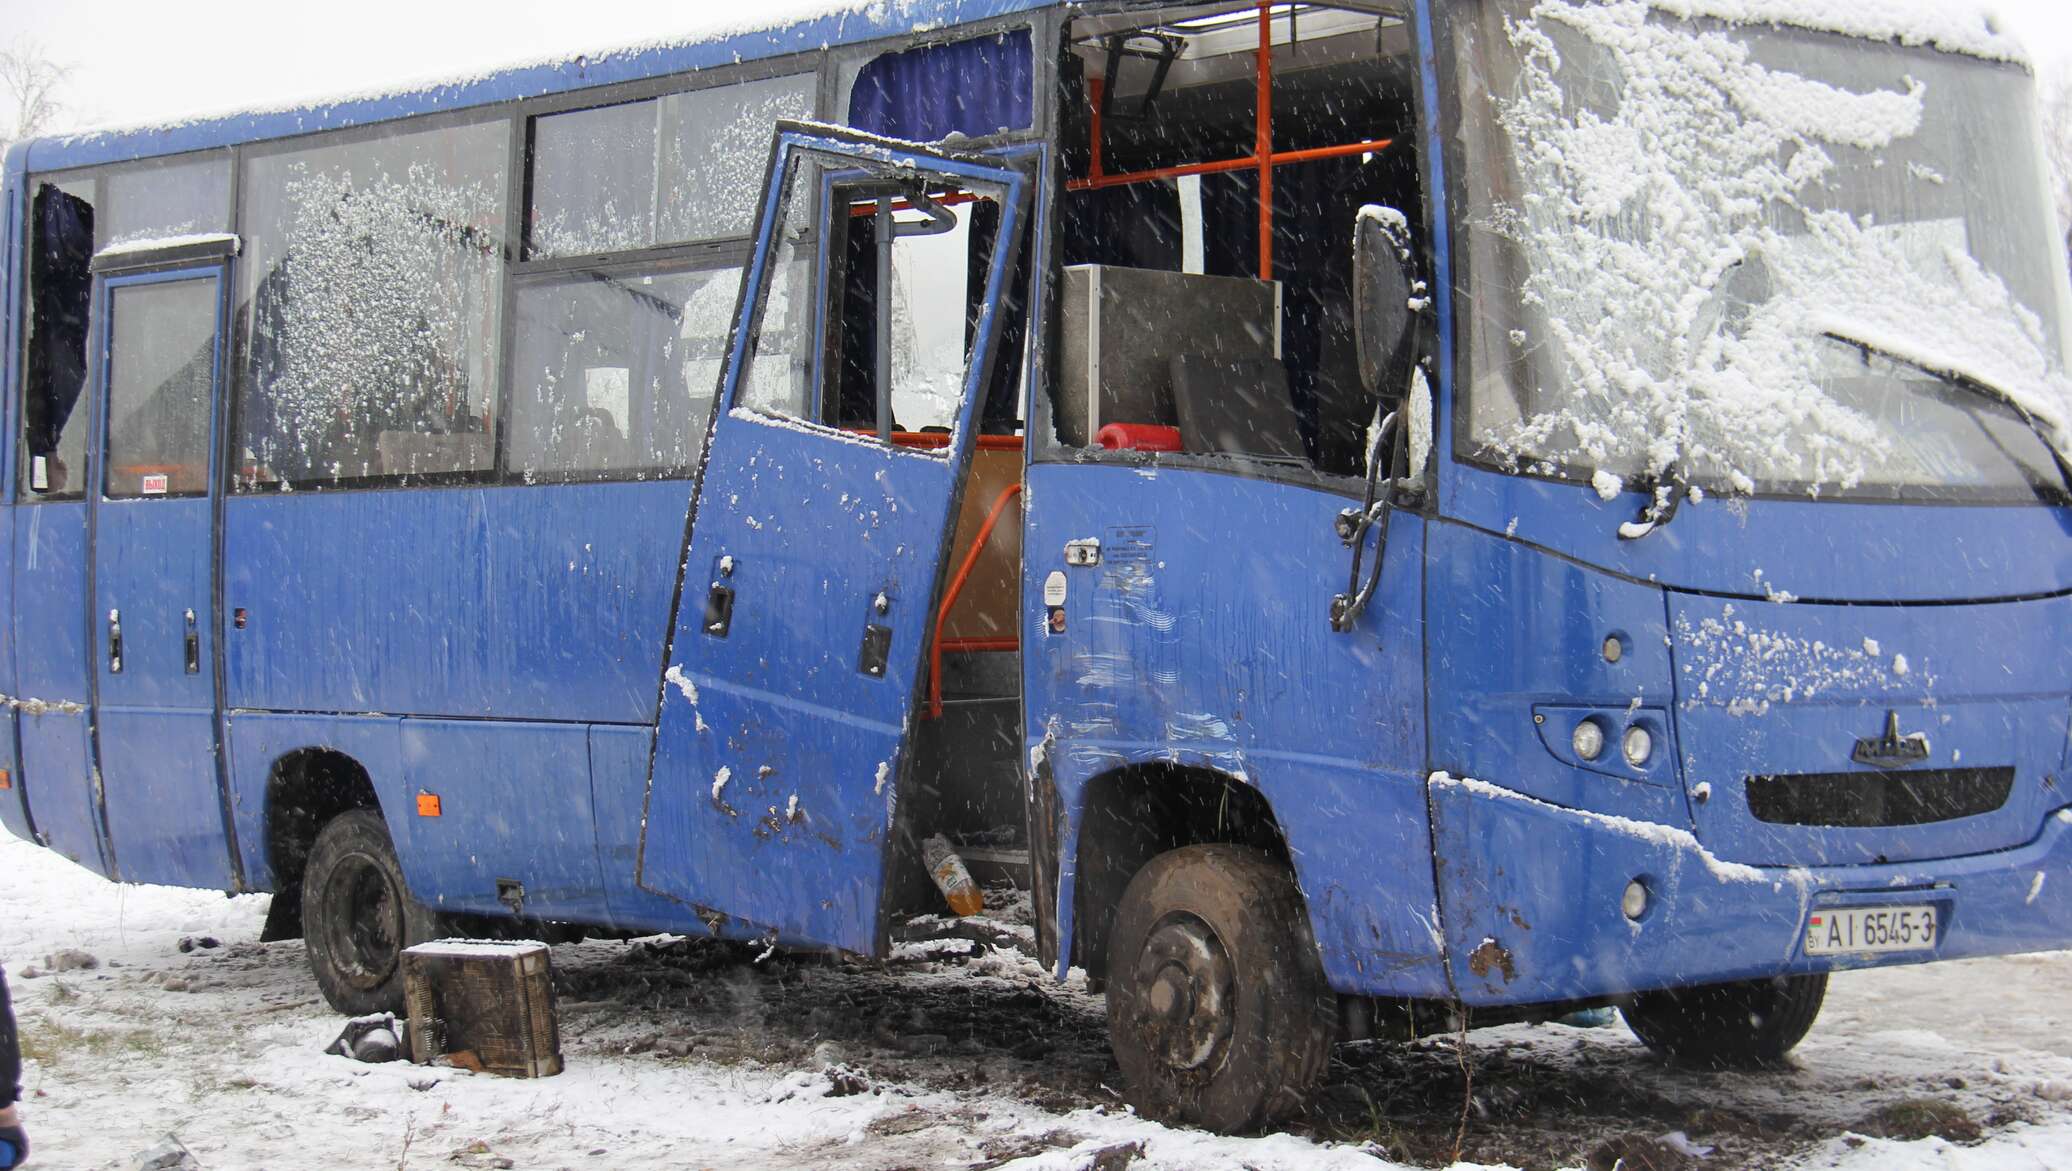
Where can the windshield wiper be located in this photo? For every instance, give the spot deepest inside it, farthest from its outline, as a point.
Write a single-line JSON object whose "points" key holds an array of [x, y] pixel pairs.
{"points": [[1965, 380]]}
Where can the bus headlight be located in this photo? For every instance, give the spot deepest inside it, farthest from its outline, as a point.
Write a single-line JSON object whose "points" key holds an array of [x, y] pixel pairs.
{"points": [[1588, 739], [1638, 746]]}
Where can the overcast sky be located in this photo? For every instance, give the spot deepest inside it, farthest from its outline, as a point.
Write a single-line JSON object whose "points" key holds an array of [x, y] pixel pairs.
{"points": [[147, 60]]}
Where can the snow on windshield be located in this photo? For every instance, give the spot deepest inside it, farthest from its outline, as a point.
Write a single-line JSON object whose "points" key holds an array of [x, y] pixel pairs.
{"points": [[1697, 215]]}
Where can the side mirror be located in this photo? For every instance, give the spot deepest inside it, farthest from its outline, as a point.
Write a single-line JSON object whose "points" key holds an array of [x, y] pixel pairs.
{"points": [[1384, 286]]}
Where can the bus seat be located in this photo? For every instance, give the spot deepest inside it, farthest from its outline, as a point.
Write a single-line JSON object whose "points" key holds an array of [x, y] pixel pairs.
{"points": [[1139, 437], [1235, 405]]}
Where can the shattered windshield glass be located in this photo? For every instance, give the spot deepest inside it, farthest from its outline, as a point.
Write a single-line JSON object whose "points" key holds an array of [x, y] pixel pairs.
{"points": [[1759, 258]]}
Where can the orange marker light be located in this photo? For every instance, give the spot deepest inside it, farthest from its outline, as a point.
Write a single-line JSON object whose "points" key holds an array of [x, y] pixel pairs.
{"points": [[6, 780], [428, 805]]}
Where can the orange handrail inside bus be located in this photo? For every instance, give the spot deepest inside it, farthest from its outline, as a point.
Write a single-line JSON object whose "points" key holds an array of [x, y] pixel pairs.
{"points": [[949, 599], [1263, 157]]}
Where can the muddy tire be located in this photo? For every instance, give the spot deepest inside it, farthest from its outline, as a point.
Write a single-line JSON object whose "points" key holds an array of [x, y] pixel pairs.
{"points": [[1746, 1025], [1217, 1006], [358, 916]]}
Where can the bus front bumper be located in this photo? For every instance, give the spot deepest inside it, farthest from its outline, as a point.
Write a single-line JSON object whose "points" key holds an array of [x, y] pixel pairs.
{"points": [[1534, 900]]}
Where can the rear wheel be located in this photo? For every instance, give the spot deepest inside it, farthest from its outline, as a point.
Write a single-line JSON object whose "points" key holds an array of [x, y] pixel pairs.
{"points": [[1726, 1026], [1217, 1006], [358, 916]]}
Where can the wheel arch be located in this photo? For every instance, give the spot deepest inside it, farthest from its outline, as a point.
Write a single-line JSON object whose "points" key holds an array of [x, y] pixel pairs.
{"points": [[305, 789], [1131, 814]]}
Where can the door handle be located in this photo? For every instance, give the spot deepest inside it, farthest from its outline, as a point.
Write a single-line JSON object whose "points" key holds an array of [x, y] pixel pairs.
{"points": [[873, 657], [193, 646], [115, 642], [719, 611]]}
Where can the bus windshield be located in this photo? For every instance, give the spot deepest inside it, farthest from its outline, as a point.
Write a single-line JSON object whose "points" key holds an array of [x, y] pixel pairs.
{"points": [[1696, 250]]}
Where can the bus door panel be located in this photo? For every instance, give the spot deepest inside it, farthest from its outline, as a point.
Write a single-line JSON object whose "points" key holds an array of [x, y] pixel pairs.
{"points": [[817, 542], [51, 678], [56, 768], [152, 626]]}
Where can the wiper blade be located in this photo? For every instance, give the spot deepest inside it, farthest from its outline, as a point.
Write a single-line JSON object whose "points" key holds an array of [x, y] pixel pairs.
{"points": [[1966, 380]]}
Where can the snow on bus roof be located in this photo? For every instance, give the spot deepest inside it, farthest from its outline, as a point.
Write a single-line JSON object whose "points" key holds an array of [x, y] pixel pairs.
{"points": [[713, 38], [779, 27]]}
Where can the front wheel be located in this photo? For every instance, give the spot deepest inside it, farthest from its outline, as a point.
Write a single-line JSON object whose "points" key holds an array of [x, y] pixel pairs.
{"points": [[358, 916], [1749, 1024], [1217, 1006]]}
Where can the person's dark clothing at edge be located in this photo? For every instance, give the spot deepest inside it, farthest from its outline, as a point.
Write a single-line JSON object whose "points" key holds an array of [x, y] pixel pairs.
{"points": [[14, 1145]]}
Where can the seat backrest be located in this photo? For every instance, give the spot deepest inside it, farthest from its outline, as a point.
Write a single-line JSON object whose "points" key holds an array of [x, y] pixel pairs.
{"points": [[1236, 405]]}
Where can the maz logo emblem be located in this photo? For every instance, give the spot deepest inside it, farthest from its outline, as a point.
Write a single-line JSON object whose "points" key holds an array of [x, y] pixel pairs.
{"points": [[1891, 750]]}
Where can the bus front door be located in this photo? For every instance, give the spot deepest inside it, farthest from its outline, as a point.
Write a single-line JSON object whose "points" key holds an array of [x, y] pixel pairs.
{"points": [[161, 361], [818, 533]]}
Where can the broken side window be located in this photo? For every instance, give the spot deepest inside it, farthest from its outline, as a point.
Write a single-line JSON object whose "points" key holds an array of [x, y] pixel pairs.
{"points": [[371, 304], [1204, 311], [54, 412]]}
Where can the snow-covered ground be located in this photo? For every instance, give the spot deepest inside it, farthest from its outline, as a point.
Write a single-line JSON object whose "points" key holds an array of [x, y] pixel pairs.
{"points": [[954, 1055]]}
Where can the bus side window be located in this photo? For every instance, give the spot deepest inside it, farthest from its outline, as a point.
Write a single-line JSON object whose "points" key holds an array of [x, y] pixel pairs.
{"points": [[616, 363], [613, 371], [54, 412], [371, 308]]}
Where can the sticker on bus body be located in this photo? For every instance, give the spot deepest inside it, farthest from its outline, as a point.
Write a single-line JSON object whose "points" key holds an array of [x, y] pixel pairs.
{"points": [[155, 484]]}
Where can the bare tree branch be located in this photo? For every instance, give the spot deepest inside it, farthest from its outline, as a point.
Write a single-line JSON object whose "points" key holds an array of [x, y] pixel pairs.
{"points": [[33, 84]]}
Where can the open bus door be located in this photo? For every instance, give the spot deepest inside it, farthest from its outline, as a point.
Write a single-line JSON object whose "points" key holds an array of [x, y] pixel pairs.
{"points": [[818, 536]]}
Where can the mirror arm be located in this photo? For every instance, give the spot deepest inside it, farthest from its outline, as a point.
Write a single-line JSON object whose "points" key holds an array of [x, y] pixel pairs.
{"points": [[1352, 526]]}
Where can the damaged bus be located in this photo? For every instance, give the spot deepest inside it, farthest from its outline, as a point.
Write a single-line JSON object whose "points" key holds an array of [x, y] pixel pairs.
{"points": [[1385, 516]]}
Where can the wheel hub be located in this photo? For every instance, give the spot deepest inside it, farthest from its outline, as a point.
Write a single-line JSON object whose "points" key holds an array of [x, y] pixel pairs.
{"points": [[364, 921], [1185, 979]]}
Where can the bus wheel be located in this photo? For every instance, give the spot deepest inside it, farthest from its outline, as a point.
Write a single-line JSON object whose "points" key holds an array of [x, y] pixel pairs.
{"points": [[1217, 1006], [358, 916], [1726, 1026]]}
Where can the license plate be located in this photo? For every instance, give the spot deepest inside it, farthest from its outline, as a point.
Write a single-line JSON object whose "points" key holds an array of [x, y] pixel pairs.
{"points": [[1837, 930]]}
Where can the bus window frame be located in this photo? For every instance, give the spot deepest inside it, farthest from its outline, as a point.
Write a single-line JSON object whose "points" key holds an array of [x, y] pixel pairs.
{"points": [[1040, 411], [213, 262]]}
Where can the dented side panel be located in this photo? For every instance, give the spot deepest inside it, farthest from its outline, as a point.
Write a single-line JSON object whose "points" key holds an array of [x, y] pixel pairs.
{"points": [[1201, 637]]}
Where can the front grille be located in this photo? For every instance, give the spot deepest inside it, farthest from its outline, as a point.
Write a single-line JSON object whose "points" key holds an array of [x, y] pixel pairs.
{"points": [[1866, 799]]}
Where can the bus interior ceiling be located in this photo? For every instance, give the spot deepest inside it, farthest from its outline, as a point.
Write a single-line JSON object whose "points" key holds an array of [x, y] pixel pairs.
{"points": [[1340, 86]]}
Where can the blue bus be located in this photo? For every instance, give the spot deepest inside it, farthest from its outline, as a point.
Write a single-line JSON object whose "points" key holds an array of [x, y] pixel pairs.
{"points": [[1386, 516]]}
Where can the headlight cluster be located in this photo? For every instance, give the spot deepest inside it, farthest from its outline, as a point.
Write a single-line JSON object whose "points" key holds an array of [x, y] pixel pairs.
{"points": [[1588, 740]]}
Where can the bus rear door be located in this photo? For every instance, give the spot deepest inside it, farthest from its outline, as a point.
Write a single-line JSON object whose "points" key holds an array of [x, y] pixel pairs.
{"points": [[161, 362], [818, 533]]}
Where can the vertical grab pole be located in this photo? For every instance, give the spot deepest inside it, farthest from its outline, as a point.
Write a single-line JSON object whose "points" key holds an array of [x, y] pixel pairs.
{"points": [[1096, 90], [885, 230], [1263, 125]]}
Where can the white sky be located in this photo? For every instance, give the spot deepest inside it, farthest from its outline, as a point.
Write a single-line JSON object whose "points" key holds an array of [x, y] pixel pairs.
{"points": [[146, 60]]}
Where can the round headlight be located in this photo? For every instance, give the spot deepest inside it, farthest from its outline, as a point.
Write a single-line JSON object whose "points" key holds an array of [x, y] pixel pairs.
{"points": [[1638, 746], [1588, 740], [1635, 902]]}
